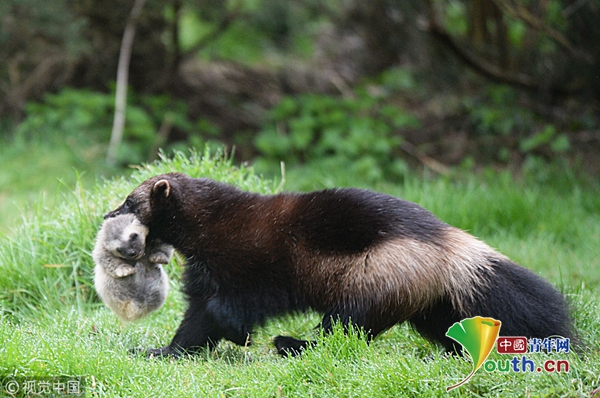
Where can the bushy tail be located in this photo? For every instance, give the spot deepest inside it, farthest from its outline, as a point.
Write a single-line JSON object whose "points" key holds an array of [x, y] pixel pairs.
{"points": [[525, 303]]}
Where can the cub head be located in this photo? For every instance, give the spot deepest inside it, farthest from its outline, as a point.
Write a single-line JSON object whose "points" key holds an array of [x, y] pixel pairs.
{"points": [[151, 199], [124, 236]]}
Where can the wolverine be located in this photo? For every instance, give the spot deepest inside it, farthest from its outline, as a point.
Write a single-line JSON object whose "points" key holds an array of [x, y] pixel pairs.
{"points": [[359, 257]]}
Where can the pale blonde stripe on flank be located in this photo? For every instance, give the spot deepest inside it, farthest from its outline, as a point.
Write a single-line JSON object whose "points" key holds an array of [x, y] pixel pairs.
{"points": [[411, 274]]}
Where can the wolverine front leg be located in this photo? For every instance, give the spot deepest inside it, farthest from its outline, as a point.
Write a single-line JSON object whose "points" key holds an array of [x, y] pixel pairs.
{"points": [[203, 326], [289, 346], [194, 333]]}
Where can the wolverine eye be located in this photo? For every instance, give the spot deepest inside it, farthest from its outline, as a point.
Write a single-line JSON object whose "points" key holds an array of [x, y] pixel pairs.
{"points": [[128, 204]]}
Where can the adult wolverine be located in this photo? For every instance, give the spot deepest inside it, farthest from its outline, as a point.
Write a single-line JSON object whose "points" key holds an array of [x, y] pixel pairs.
{"points": [[357, 256]]}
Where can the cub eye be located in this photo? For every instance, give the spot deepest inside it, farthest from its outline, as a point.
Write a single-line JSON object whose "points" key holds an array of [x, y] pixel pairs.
{"points": [[133, 236]]}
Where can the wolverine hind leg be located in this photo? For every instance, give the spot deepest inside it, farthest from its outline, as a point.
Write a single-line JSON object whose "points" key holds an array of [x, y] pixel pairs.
{"points": [[289, 346]]}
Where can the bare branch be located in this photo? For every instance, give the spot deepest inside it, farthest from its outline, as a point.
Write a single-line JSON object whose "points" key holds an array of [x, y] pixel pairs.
{"points": [[427, 161], [520, 12], [483, 67]]}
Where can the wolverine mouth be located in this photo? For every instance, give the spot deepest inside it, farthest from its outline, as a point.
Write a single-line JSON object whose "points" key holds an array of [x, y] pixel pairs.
{"points": [[111, 214]]}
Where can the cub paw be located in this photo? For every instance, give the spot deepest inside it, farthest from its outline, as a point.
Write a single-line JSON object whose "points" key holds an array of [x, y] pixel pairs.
{"points": [[122, 272], [158, 258]]}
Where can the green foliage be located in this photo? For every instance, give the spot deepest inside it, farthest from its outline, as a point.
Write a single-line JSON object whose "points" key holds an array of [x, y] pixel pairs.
{"points": [[548, 136], [85, 118], [316, 133], [81, 114], [516, 33], [191, 29], [498, 114], [398, 79], [291, 26], [511, 126], [40, 44], [456, 18], [250, 31], [71, 129], [56, 137], [240, 41], [38, 30]]}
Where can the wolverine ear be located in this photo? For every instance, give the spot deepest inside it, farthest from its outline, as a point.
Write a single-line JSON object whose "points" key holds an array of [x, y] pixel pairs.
{"points": [[161, 188]]}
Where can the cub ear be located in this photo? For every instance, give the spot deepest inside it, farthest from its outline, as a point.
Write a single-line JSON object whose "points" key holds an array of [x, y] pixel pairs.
{"points": [[161, 188]]}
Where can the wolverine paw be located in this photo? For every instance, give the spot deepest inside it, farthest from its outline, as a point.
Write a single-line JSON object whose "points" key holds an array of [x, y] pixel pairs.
{"points": [[289, 346]]}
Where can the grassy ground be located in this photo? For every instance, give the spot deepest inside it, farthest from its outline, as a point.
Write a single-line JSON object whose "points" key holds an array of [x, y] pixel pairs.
{"points": [[52, 323], [33, 168]]}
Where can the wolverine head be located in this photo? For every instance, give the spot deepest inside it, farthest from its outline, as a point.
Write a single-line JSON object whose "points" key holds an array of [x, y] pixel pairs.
{"points": [[159, 204], [150, 198]]}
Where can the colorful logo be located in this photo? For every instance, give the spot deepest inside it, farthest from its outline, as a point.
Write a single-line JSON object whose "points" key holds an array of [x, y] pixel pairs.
{"points": [[477, 335], [512, 345]]}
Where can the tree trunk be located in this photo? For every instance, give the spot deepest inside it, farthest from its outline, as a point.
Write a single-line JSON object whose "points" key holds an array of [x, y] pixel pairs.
{"points": [[122, 78]]}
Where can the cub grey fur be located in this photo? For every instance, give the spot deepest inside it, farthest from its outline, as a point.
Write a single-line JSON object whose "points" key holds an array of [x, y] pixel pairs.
{"points": [[128, 276]]}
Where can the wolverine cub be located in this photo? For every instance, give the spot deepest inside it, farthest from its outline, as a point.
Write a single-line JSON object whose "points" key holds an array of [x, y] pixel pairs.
{"points": [[128, 276]]}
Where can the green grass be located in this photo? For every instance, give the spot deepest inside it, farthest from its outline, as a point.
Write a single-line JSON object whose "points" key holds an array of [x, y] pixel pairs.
{"points": [[52, 323], [399, 363], [34, 167]]}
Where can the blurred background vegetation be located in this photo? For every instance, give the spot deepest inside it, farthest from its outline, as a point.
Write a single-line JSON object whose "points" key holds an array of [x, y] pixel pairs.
{"points": [[485, 112], [366, 91]]}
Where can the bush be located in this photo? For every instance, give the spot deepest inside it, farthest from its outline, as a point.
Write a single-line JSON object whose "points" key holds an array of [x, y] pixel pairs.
{"points": [[315, 133], [84, 118], [502, 122]]}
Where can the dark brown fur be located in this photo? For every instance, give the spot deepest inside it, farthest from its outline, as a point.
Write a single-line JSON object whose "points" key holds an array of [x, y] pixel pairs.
{"points": [[357, 256]]}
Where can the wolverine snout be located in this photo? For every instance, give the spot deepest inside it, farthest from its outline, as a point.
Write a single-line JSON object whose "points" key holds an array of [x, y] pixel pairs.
{"points": [[112, 214]]}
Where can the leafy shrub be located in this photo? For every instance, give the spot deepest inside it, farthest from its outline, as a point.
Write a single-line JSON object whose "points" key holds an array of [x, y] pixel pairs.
{"points": [[85, 118], [499, 114], [314, 133], [548, 136], [514, 127]]}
